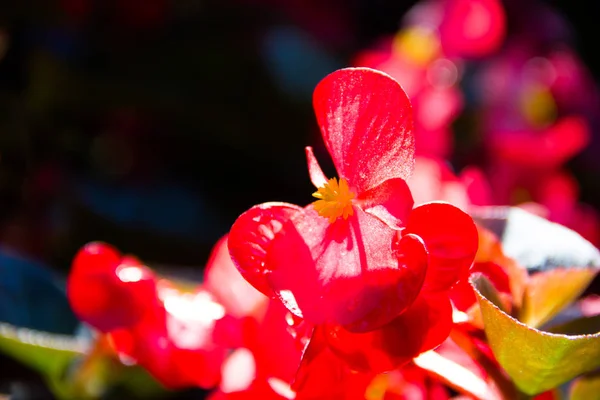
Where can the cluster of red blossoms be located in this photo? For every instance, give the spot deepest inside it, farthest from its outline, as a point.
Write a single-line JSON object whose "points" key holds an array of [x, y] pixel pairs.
{"points": [[365, 293], [355, 284], [527, 102]]}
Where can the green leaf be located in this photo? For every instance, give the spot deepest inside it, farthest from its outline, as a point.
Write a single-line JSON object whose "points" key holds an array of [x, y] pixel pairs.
{"points": [[561, 262], [73, 369], [585, 388], [549, 292], [536, 243], [49, 354], [536, 361]]}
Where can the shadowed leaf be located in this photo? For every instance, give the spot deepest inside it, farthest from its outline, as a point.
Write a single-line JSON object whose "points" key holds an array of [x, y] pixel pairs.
{"points": [[586, 387], [536, 243], [578, 326], [33, 296], [73, 370], [49, 354]]}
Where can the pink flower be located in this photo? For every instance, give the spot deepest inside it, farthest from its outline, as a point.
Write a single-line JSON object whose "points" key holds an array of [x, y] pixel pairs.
{"points": [[472, 28]]}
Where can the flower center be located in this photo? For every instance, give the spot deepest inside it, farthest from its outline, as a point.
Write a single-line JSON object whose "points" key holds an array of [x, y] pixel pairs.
{"points": [[538, 106], [419, 45], [335, 200]]}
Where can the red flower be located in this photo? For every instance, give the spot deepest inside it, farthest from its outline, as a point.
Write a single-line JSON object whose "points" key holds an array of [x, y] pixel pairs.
{"points": [[176, 336], [462, 294], [263, 325], [472, 28], [544, 149], [269, 347], [359, 256], [223, 280], [178, 341], [323, 375], [266, 365], [102, 281]]}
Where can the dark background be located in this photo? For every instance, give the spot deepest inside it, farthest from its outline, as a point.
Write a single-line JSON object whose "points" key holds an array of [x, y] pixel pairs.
{"points": [[152, 124]]}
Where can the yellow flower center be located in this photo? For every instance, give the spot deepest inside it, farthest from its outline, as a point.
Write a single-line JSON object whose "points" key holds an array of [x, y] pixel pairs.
{"points": [[538, 106], [420, 45], [335, 200]]}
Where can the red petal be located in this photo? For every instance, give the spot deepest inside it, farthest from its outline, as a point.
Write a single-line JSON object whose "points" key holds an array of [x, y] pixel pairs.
{"points": [[423, 326], [268, 389], [472, 28], [412, 264], [433, 180], [222, 279], [412, 78], [317, 177], [238, 371], [323, 375], [391, 202], [366, 121], [453, 352], [250, 239], [316, 346], [546, 149], [177, 343], [462, 293], [345, 272], [100, 283], [451, 240], [96, 257], [275, 346], [138, 281], [191, 318], [476, 185]]}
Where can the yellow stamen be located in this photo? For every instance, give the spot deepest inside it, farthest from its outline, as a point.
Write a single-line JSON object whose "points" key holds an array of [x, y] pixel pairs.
{"points": [[419, 45], [538, 106], [335, 200]]}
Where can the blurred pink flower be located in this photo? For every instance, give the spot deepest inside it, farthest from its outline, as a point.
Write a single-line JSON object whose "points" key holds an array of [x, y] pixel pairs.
{"points": [[472, 28]]}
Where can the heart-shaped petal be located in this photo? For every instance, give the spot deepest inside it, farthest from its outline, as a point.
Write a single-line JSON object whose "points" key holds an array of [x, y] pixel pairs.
{"points": [[423, 326], [450, 236], [250, 239], [366, 121]]}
